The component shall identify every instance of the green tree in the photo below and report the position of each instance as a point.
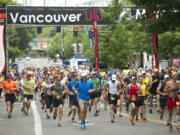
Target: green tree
(167, 13)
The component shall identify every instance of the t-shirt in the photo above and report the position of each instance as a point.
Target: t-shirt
(7, 85)
(42, 85)
(58, 89)
(146, 82)
(143, 89)
(47, 88)
(155, 85)
(1, 82)
(70, 86)
(29, 84)
(95, 82)
(84, 87)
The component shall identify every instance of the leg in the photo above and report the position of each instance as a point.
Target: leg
(132, 112)
(60, 108)
(28, 105)
(111, 112)
(158, 102)
(150, 103)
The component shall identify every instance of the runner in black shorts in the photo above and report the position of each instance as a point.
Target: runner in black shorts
(163, 96)
(58, 93)
(73, 97)
(155, 82)
(10, 87)
(95, 96)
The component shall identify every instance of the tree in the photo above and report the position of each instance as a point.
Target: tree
(169, 45)
(167, 13)
(115, 51)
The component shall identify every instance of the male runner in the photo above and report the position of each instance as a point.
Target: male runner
(84, 87)
(73, 96)
(133, 89)
(10, 86)
(58, 93)
(114, 92)
(172, 90)
(163, 95)
(28, 92)
(154, 84)
(95, 97)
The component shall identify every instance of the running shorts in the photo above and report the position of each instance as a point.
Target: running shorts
(112, 99)
(29, 97)
(10, 97)
(172, 103)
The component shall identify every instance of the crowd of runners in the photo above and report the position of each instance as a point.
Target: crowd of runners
(92, 90)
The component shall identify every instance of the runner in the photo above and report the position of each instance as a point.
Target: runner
(154, 84)
(172, 90)
(95, 97)
(142, 98)
(1, 84)
(163, 95)
(113, 88)
(73, 96)
(134, 90)
(84, 88)
(10, 86)
(48, 97)
(43, 83)
(121, 97)
(28, 91)
(58, 93)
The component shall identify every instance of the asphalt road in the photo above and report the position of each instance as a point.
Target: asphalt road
(37, 124)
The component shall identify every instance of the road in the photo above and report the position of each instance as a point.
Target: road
(37, 124)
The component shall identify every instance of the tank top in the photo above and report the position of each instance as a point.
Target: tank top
(113, 87)
(163, 84)
(133, 93)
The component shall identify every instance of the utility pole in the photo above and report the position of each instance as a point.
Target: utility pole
(63, 44)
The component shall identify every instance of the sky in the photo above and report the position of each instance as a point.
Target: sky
(51, 2)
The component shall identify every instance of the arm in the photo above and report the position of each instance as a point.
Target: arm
(139, 89)
(91, 88)
(158, 89)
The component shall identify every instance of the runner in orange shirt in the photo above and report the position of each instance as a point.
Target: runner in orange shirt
(1, 84)
(9, 87)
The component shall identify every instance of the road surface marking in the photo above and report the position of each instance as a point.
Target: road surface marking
(37, 119)
(152, 120)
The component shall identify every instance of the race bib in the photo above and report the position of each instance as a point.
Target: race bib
(8, 90)
(133, 97)
(112, 98)
(58, 97)
(48, 92)
(0, 84)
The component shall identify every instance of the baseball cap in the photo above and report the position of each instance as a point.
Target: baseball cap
(28, 75)
(156, 70)
(113, 77)
(9, 75)
(93, 73)
(58, 78)
(133, 78)
(143, 72)
(83, 75)
(166, 76)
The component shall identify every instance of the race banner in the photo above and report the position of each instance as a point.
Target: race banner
(2, 49)
(52, 15)
(29, 15)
